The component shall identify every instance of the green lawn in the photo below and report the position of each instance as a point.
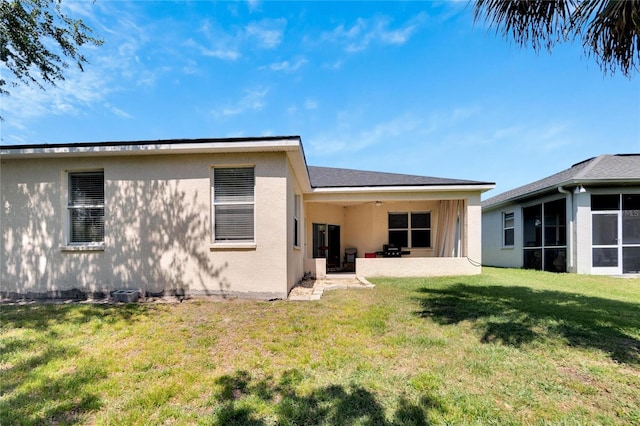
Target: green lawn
(506, 347)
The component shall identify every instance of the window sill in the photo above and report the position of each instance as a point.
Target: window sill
(297, 248)
(82, 248)
(232, 246)
(507, 247)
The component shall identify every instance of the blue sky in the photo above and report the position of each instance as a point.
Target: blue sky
(407, 87)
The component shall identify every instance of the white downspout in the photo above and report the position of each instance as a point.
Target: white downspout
(570, 214)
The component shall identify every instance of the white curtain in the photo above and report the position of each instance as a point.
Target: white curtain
(450, 226)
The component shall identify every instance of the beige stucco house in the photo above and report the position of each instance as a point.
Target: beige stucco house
(242, 216)
(585, 219)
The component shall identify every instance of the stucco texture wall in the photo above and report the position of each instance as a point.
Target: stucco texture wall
(295, 253)
(493, 251)
(157, 227)
(416, 267)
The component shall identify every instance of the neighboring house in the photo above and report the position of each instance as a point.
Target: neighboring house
(242, 216)
(585, 219)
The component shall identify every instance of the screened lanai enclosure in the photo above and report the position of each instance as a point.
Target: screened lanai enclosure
(545, 236)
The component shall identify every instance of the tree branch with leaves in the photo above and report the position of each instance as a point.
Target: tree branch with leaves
(37, 38)
(609, 29)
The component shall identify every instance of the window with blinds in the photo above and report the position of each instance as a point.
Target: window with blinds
(86, 207)
(233, 204)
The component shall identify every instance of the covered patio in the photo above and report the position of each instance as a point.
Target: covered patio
(400, 233)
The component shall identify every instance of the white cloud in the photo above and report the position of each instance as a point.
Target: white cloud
(348, 140)
(227, 45)
(149, 78)
(352, 134)
(364, 32)
(333, 65)
(441, 120)
(117, 111)
(310, 104)
(191, 67)
(506, 132)
(252, 100)
(288, 67)
(399, 37)
(214, 42)
(268, 32)
(68, 97)
(223, 48)
(254, 5)
(76, 9)
(225, 54)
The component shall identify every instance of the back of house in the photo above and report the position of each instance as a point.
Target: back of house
(241, 216)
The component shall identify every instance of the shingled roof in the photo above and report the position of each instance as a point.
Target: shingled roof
(329, 177)
(618, 168)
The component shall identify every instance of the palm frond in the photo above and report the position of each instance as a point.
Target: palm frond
(539, 23)
(611, 32)
(609, 29)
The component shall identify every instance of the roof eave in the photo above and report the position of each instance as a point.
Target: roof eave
(283, 144)
(572, 183)
(481, 187)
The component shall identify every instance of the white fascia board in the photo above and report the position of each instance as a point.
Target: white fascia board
(277, 145)
(395, 193)
(299, 166)
(383, 189)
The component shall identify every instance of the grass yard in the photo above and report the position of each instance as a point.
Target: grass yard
(506, 347)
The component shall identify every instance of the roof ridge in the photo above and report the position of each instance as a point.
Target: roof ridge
(590, 166)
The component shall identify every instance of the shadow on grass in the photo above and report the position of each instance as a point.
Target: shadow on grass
(38, 385)
(519, 315)
(240, 398)
(41, 316)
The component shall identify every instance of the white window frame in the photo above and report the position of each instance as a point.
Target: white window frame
(232, 243)
(70, 208)
(505, 228)
(409, 228)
